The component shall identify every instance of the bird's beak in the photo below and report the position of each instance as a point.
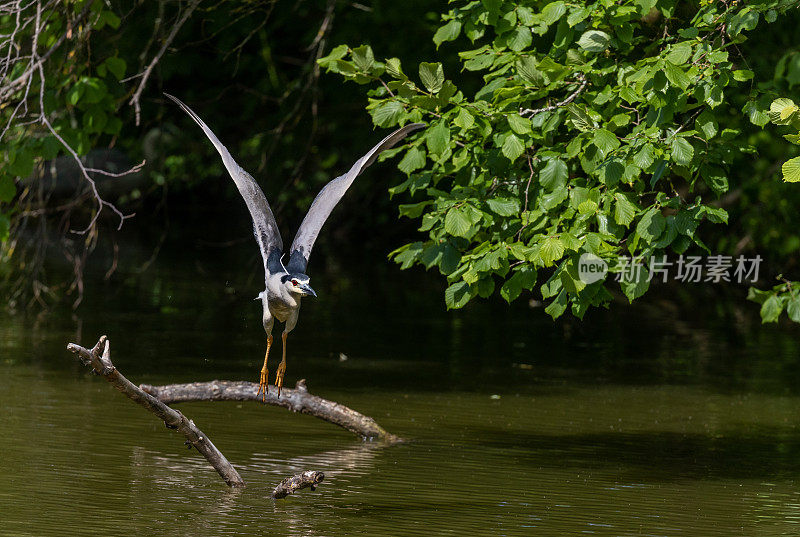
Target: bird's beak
(307, 290)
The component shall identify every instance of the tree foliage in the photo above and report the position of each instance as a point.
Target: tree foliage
(600, 127)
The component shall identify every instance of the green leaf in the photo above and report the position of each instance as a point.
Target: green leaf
(717, 215)
(363, 58)
(504, 206)
(624, 210)
(793, 138)
(388, 114)
(527, 69)
(108, 17)
(757, 295)
(551, 249)
(659, 171)
(577, 14)
(580, 117)
(707, 124)
(679, 54)
(407, 255)
(519, 124)
(448, 32)
(116, 66)
(457, 295)
(553, 11)
(450, 259)
(524, 15)
(512, 147)
(676, 76)
(413, 210)
(651, 226)
(558, 306)
(771, 309)
(524, 278)
(682, 151)
(781, 111)
(336, 53)
(519, 39)
(482, 61)
(22, 163)
(75, 93)
(742, 75)
(791, 170)
(742, 20)
(394, 69)
(757, 115)
(457, 223)
(553, 174)
(605, 140)
(432, 76)
(635, 282)
(464, 119)
(793, 307)
(594, 41)
(414, 159)
(645, 157)
(438, 138)
(553, 199)
(587, 207)
(5, 227)
(715, 178)
(7, 188)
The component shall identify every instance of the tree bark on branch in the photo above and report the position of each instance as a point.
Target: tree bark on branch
(290, 485)
(99, 359)
(156, 398)
(296, 400)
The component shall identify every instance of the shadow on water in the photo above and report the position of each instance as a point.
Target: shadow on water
(678, 415)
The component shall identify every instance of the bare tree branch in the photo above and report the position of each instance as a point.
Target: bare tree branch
(296, 400)
(99, 359)
(7, 90)
(530, 112)
(149, 69)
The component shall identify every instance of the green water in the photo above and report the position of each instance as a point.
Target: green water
(676, 417)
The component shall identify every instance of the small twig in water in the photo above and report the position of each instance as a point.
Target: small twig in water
(290, 485)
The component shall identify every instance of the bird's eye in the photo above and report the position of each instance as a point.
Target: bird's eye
(294, 282)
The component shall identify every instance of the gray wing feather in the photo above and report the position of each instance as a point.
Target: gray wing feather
(330, 195)
(265, 228)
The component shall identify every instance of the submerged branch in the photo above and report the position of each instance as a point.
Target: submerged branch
(290, 485)
(99, 359)
(296, 400)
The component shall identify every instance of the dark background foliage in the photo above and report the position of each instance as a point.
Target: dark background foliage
(250, 70)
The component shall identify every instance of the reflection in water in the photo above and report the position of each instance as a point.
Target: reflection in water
(662, 420)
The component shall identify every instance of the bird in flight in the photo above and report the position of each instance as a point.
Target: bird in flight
(287, 284)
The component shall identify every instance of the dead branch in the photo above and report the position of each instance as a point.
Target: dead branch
(290, 485)
(530, 112)
(99, 359)
(149, 69)
(296, 400)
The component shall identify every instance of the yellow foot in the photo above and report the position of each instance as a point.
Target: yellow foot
(279, 376)
(263, 385)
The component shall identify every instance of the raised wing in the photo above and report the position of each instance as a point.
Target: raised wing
(264, 226)
(330, 195)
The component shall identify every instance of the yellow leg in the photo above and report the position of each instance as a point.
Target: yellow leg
(264, 382)
(281, 366)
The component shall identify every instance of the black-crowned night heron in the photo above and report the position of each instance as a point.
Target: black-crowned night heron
(287, 284)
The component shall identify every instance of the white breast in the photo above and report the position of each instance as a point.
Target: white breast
(281, 302)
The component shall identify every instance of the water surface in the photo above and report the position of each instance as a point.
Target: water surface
(671, 418)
